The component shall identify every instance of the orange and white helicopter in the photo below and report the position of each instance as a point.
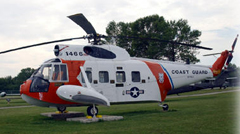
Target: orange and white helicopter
(106, 74)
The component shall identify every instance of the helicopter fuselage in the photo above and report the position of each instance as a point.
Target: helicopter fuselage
(111, 72)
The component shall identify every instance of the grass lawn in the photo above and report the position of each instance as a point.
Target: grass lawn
(14, 101)
(211, 114)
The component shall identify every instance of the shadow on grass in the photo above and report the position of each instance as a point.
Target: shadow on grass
(191, 98)
(144, 112)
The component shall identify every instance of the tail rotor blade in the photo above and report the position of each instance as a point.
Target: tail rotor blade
(234, 43)
(229, 59)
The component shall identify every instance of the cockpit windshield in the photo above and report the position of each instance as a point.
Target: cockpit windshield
(48, 72)
(53, 72)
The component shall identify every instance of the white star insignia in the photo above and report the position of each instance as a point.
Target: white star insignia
(134, 92)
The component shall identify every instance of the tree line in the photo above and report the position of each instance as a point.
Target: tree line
(11, 84)
(155, 26)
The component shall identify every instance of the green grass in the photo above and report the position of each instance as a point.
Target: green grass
(209, 90)
(191, 115)
(15, 101)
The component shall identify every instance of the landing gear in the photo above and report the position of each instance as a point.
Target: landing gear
(92, 110)
(164, 106)
(61, 109)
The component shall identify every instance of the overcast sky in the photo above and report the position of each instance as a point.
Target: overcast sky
(25, 22)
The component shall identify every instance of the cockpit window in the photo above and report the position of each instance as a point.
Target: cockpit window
(40, 82)
(46, 72)
(59, 72)
(55, 72)
(99, 52)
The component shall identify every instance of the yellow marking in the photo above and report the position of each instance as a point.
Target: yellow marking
(89, 117)
(99, 116)
(216, 71)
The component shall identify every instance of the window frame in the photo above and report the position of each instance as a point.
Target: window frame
(123, 77)
(62, 71)
(134, 79)
(104, 76)
(90, 79)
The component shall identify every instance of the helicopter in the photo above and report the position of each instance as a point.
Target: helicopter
(100, 74)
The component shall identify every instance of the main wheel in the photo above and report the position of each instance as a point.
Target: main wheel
(91, 111)
(61, 109)
(165, 107)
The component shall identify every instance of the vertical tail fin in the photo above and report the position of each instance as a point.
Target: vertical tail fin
(219, 63)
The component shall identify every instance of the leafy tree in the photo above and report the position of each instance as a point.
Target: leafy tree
(12, 84)
(235, 73)
(24, 75)
(182, 33)
(156, 27)
(6, 83)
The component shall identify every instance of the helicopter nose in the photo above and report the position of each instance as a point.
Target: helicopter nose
(24, 88)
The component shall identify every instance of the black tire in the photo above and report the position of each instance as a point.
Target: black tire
(165, 107)
(61, 109)
(90, 111)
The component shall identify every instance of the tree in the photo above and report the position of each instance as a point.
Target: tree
(236, 72)
(182, 33)
(156, 27)
(24, 75)
(12, 84)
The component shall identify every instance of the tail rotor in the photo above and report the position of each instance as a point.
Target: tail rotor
(223, 60)
(230, 56)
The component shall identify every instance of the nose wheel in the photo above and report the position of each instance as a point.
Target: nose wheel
(92, 110)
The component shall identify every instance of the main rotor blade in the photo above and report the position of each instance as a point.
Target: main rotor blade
(83, 22)
(211, 54)
(185, 44)
(159, 40)
(39, 44)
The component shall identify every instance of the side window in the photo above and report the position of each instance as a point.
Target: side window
(89, 76)
(56, 73)
(136, 76)
(98, 52)
(103, 77)
(59, 72)
(120, 76)
(64, 72)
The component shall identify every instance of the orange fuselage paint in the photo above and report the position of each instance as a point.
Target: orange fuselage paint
(165, 85)
(50, 96)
